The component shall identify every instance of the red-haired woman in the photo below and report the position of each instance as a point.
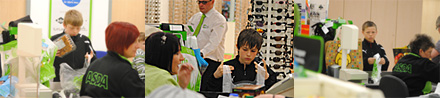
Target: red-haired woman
(112, 75)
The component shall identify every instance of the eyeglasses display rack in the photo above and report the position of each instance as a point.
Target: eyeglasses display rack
(152, 11)
(180, 11)
(274, 20)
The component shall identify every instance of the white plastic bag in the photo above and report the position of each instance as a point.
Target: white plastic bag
(71, 79)
(376, 69)
(196, 77)
(227, 80)
(261, 73)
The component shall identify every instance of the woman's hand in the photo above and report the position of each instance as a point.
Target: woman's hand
(265, 68)
(184, 75)
(219, 72)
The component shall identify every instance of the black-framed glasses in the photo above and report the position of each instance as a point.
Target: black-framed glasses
(278, 52)
(277, 30)
(276, 59)
(279, 10)
(273, 45)
(260, 23)
(280, 2)
(278, 23)
(261, 9)
(203, 2)
(260, 2)
(281, 17)
(278, 38)
(258, 16)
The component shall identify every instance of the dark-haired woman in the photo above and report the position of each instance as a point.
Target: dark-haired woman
(162, 57)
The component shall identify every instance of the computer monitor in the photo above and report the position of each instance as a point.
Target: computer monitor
(309, 52)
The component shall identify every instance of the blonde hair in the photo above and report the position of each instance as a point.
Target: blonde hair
(73, 17)
(142, 36)
(368, 24)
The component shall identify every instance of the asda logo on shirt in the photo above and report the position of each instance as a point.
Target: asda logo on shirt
(97, 79)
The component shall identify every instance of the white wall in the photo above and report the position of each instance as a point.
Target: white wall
(100, 19)
(164, 11)
(230, 38)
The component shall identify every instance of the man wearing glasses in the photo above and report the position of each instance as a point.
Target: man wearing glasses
(210, 30)
(435, 53)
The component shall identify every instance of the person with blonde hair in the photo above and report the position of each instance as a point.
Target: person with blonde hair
(73, 21)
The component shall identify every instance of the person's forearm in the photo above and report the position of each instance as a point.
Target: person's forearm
(267, 76)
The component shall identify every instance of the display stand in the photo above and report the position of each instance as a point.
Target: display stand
(274, 20)
(29, 52)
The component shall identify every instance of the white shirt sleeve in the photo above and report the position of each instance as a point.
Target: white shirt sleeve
(189, 24)
(217, 35)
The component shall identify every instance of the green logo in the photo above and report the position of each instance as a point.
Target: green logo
(402, 67)
(97, 79)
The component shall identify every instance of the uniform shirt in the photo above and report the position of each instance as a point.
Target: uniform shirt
(436, 59)
(415, 72)
(369, 50)
(212, 33)
(112, 76)
(156, 77)
(76, 58)
(240, 74)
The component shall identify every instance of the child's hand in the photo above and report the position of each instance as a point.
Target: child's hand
(265, 68)
(371, 60)
(382, 61)
(219, 72)
(58, 53)
(91, 54)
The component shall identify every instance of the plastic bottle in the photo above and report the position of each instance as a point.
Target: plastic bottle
(233, 95)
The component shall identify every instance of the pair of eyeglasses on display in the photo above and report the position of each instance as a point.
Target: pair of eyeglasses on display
(314, 14)
(312, 6)
(277, 52)
(277, 30)
(279, 10)
(203, 2)
(281, 17)
(276, 59)
(259, 16)
(273, 45)
(279, 66)
(278, 38)
(259, 23)
(281, 2)
(260, 9)
(259, 2)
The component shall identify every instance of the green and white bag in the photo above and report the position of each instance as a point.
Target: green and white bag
(196, 77)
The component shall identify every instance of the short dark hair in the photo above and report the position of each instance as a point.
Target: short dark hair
(422, 41)
(160, 48)
(368, 24)
(249, 37)
(119, 36)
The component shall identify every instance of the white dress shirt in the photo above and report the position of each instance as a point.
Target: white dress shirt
(211, 38)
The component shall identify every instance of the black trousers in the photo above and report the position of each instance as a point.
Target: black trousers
(209, 71)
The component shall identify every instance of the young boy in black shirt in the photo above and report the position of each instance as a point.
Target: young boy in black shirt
(72, 25)
(415, 69)
(243, 66)
(371, 48)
